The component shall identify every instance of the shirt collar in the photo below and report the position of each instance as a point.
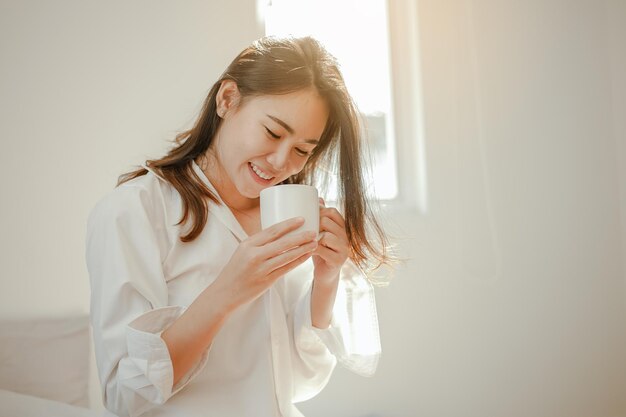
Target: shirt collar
(221, 210)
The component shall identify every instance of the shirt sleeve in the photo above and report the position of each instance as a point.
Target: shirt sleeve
(129, 300)
(352, 339)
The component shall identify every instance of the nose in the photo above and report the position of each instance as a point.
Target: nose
(279, 158)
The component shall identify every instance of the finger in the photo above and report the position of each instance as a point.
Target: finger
(328, 225)
(334, 214)
(284, 258)
(276, 231)
(328, 255)
(285, 243)
(277, 273)
(333, 243)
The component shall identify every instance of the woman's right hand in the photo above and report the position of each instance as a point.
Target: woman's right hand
(263, 258)
(255, 265)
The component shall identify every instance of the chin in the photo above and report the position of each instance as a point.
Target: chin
(250, 192)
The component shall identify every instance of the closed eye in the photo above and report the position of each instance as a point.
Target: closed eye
(272, 134)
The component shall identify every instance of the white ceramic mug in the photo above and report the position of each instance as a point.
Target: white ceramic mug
(282, 202)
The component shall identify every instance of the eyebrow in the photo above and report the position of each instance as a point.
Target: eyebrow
(290, 129)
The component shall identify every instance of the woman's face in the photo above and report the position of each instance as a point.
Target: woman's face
(265, 139)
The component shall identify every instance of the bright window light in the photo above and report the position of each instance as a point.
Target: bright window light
(356, 33)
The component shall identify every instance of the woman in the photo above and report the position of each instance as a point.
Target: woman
(195, 309)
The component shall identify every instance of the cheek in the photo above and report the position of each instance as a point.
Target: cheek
(241, 135)
(298, 165)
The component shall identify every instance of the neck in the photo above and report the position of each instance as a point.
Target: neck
(212, 168)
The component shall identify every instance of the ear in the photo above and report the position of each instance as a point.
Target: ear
(227, 98)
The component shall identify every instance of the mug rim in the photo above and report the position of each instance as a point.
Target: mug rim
(288, 185)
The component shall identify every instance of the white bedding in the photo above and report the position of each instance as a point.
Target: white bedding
(44, 367)
(47, 358)
(13, 404)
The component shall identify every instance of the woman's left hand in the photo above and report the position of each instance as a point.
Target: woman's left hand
(333, 246)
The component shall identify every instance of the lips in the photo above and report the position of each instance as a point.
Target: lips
(260, 175)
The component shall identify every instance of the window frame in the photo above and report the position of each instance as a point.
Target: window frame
(406, 110)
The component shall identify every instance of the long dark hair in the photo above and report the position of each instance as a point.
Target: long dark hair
(272, 66)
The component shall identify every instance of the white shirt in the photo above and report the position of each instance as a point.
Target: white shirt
(266, 357)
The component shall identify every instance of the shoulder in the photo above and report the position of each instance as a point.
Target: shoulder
(141, 198)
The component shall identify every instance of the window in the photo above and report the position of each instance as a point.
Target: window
(356, 33)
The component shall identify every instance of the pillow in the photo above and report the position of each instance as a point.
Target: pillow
(47, 358)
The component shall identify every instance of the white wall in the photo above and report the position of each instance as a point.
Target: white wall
(90, 89)
(616, 10)
(513, 300)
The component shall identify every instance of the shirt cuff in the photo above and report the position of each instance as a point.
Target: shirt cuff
(149, 352)
(352, 336)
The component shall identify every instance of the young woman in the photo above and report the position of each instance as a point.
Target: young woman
(196, 311)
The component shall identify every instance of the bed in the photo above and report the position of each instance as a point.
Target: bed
(45, 367)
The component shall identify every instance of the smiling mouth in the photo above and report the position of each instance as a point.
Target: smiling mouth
(260, 173)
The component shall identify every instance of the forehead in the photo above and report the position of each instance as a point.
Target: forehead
(304, 111)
